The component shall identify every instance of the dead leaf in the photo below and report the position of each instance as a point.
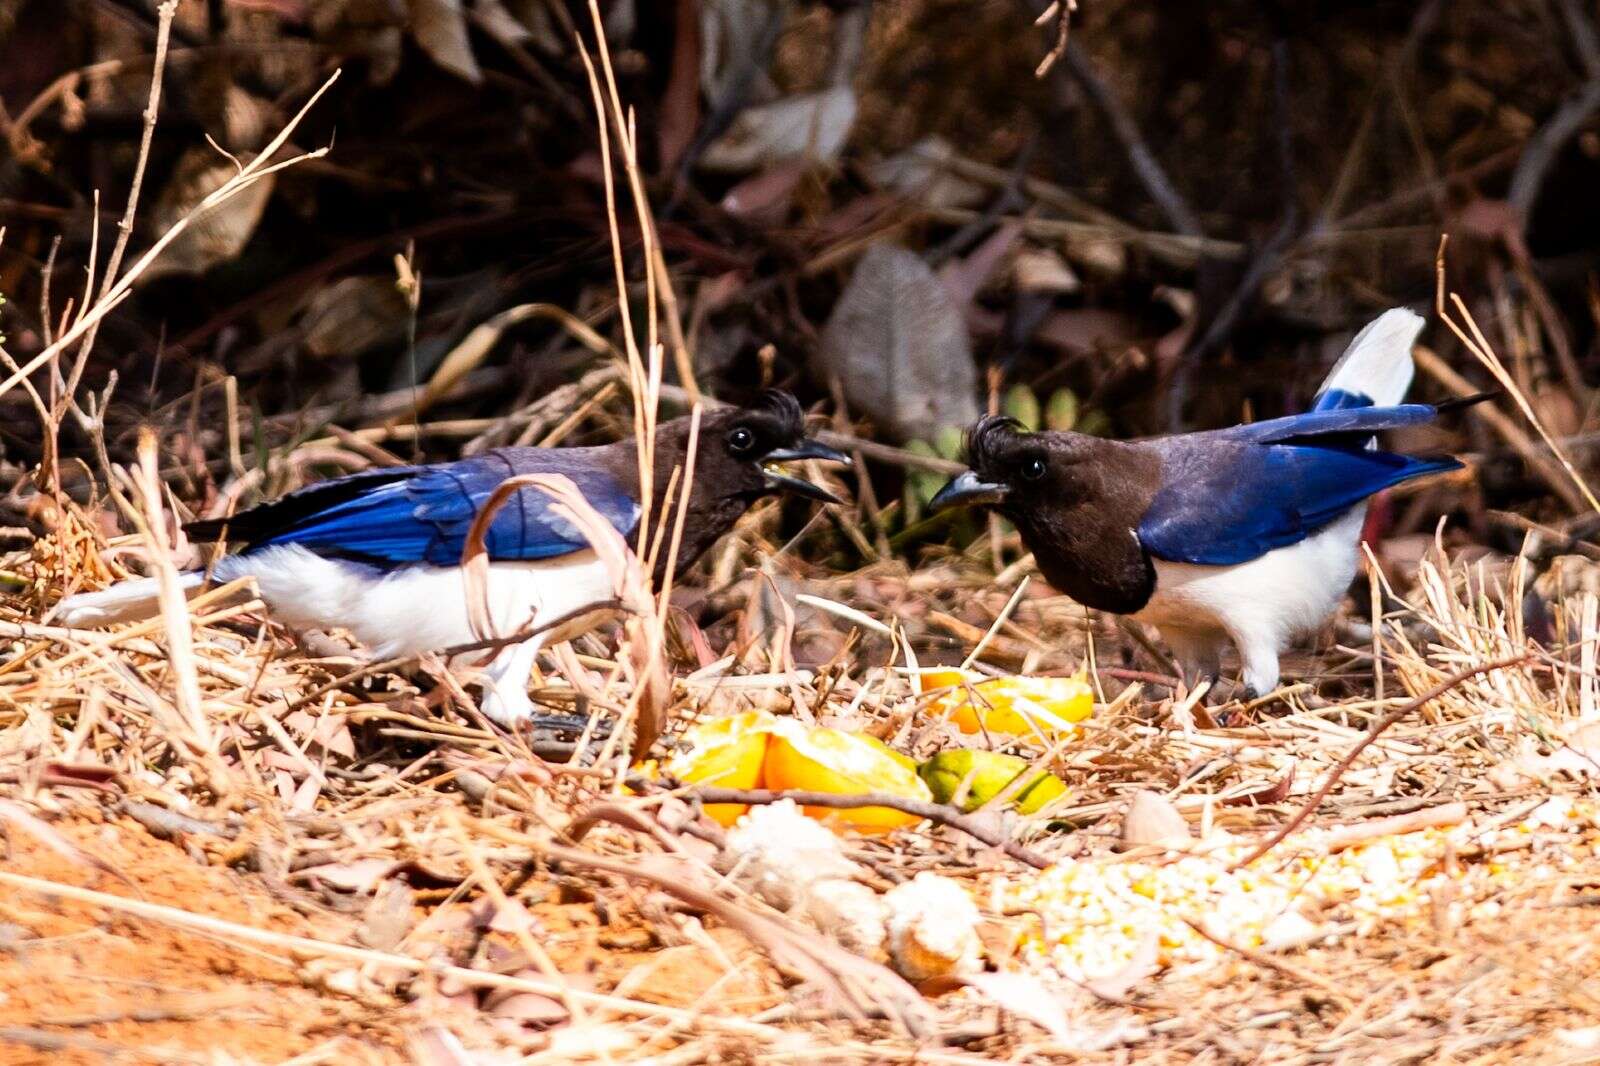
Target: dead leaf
(1026, 996)
(220, 233)
(500, 23)
(680, 103)
(1489, 220)
(361, 876)
(352, 316)
(534, 770)
(1152, 819)
(811, 126)
(440, 28)
(1088, 330)
(898, 345)
(387, 918)
(964, 278)
(1040, 270)
(305, 796)
(57, 774)
(1106, 258)
(922, 173)
(765, 196)
(532, 1009)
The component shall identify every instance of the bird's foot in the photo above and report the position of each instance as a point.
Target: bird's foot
(508, 709)
(1236, 711)
(550, 736)
(1224, 700)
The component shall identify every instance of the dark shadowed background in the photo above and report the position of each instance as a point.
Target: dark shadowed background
(1178, 224)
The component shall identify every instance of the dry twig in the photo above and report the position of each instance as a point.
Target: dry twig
(936, 812)
(1378, 729)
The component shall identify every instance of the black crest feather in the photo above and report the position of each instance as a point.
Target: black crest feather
(983, 439)
(783, 406)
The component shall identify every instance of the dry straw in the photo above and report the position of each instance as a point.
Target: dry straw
(329, 781)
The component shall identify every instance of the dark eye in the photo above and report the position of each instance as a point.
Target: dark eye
(741, 439)
(1033, 469)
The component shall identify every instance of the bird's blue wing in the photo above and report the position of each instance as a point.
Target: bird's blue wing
(1340, 399)
(1226, 503)
(424, 517)
(1330, 422)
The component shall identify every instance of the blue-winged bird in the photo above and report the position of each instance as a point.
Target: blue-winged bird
(379, 553)
(1249, 534)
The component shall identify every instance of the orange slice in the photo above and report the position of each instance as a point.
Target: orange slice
(900, 757)
(850, 764)
(724, 753)
(1030, 705)
(945, 677)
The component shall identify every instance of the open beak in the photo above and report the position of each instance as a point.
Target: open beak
(967, 490)
(777, 481)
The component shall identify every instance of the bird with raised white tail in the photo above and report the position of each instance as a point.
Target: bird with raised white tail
(1248, 535)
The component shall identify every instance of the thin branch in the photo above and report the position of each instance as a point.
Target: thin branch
(935, 812)
(1378, 729)
(1583, 35)
(1479, 346)
(1542, 148)
(1525, 447)
(164, 15)
(1061, 12)
(1150, 172)
(253, 171)
(1261, 958)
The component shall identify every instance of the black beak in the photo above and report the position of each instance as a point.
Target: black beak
(966, 490)
(806, 449)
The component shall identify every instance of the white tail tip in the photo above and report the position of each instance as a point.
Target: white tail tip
(127, 601)
(1378, 362)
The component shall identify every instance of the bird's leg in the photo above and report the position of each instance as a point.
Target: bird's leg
(505, 684)
(1198, 651)
(1258, 654)
(506, 702)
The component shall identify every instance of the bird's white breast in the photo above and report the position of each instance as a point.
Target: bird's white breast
(416, 608)
(1286, 592)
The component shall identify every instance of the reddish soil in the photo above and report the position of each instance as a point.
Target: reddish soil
(80, 984)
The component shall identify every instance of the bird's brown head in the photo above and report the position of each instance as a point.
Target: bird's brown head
(740, 451)
(1074, 498)
(739, 455)
(1009, 466)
